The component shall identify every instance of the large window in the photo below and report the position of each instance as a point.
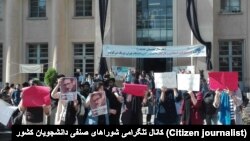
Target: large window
(83, 8)
(37, 8)
(1, 64)
(154, 23)
(231, 6)
(38, 54)
(84, 58)
(230, 58)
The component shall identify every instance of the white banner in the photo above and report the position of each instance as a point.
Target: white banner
(6, 112)
(31, 68)
(167, 79)
(188, 82)
(184, 69)
(122, 51)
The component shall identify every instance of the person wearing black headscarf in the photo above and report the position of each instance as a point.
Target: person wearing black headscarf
(114, 102)
(191, 108)
(166, 113)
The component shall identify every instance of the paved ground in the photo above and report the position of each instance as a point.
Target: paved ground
(5, 134)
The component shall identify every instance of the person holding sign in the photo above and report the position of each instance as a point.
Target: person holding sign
(166, 113)
(191, 108)
(115, 101)
(35, 112)
(69, 102)
(99, 108)
(228, 102)
(68, 88)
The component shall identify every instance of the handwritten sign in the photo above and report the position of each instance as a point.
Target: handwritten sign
(188, 82)
(223, 80)
(122, 51)
(135, 89)
(167, 79)
(36, 96)
(6, 112)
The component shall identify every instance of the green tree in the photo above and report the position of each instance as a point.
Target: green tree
(50, 77)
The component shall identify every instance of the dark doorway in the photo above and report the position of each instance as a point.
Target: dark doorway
(155, 64)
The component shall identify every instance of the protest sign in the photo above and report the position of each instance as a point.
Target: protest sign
(167, 79)
(120, 71)
(6, 112)
(36, 96)
(188, 82)
(98, 103)
(184, 69)
(135, 89)
(223, 80)
(68, 89)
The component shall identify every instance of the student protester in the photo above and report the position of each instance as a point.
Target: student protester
(151, 100)
(133, 113)
(115, 102)
(128, 76)
(16, 95)
(84, 91)
(228, 104)
(101, 119)
(166, 111)
(67, 111)
(191, 108)
(34, 115)
(12, 89)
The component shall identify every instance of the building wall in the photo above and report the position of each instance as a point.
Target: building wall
(232, 27)
(60, 29)
(182, 31)
(123, 28)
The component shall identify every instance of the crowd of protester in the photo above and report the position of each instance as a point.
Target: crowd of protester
(169, 106)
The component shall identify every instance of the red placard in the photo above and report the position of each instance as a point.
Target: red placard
(223, 80)
(35, 96)
(135, 89)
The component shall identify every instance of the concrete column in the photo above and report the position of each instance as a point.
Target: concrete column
(12, 40)
(98, 38)
(58, 45)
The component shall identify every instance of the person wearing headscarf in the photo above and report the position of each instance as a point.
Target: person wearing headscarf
(166, 113)
(66, 113)
(191, 108)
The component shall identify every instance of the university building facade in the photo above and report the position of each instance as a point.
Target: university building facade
(65, 34)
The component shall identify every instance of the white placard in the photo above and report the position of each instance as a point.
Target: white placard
(167, 79)
(6, 112)
(184, 69)
(188, 82)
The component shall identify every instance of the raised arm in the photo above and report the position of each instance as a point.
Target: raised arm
(55, 93)
(216, 103)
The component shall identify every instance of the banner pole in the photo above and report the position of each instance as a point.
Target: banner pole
(192, 43)
(192, 60)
